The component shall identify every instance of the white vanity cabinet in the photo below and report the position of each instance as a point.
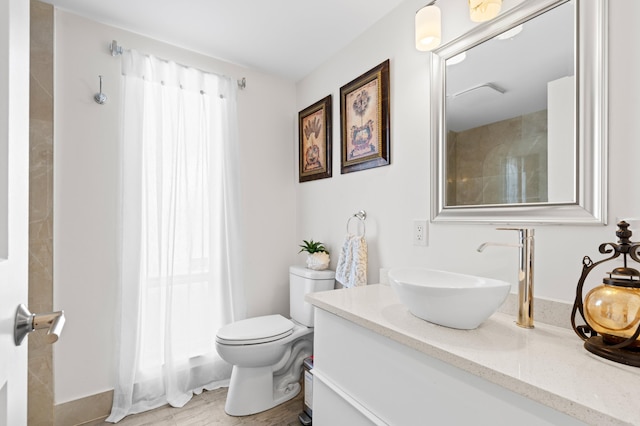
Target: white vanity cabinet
(376, 363)
(363, 378)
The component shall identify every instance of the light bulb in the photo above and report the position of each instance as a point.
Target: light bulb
(484, 10)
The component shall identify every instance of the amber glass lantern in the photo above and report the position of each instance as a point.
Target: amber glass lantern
(611, 311)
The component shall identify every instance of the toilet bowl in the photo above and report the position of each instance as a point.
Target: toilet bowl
(267, 352)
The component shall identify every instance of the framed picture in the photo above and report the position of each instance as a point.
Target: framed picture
(314, 141)
(364, 120)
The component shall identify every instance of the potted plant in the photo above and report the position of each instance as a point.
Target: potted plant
(317, 255)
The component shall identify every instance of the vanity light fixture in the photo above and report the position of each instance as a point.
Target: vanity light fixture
(484, 10)
(428, 22)
(428, 27)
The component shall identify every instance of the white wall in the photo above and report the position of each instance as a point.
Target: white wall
(86, 171)
(395, 195)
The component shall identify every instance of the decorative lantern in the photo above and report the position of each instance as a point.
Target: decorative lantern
(611, 311)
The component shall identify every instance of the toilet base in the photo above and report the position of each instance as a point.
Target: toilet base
(251, 391)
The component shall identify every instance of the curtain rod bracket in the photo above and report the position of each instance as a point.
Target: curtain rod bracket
(115, 49)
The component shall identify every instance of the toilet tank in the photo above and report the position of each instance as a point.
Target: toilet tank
(301, 282)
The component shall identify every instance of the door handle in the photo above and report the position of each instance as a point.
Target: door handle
(26, 322)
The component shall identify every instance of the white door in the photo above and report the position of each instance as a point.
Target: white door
(14, 200)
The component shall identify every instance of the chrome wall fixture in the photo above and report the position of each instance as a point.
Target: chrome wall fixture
(26, 322)
(100, 97)
(361, 216)
(115, 49)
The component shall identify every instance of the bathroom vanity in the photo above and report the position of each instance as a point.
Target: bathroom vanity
(376, 363)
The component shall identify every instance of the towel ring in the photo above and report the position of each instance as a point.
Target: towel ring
(361, 216)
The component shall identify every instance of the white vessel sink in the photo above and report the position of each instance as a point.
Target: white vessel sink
(447, 298)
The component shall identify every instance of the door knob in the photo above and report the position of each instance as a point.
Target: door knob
(26, 322)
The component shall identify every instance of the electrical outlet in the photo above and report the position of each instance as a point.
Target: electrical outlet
(419, 232)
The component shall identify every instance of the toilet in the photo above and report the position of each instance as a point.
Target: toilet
(267, 352)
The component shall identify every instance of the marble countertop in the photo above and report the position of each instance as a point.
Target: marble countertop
(547, 364)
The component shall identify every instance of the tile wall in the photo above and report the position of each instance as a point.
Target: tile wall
(513, 166)
(40, 384)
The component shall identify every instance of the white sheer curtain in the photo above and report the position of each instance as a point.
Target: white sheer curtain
(180, 275)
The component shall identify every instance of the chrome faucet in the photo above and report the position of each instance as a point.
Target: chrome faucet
(525, 273)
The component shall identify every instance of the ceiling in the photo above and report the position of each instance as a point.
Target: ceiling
(288, 38)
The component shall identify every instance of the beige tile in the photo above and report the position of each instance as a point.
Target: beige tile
(478, 170)
(40, 100)
(40, 401)
(83, 410)
(469, 191)
(40, 383)
(41, 33)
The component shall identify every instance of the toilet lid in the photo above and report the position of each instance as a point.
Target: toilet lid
(255, 330)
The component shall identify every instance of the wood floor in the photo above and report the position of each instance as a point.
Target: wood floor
(208, 409)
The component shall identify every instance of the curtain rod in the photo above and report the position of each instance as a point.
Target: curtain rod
(117, 51)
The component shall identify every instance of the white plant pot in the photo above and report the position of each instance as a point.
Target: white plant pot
(318, 261)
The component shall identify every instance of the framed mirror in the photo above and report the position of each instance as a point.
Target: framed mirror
(519, 118)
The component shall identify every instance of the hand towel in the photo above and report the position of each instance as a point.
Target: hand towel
(351, 270)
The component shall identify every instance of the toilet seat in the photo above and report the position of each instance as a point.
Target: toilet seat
(256, 330)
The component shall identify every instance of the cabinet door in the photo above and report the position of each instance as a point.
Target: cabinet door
(335, 408)
(402, 386)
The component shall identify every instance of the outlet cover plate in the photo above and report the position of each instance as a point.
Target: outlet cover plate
(420, 233)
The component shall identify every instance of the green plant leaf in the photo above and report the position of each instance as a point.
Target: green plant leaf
(312, 247)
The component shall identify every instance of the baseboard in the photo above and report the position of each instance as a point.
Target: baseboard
(83, 410)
